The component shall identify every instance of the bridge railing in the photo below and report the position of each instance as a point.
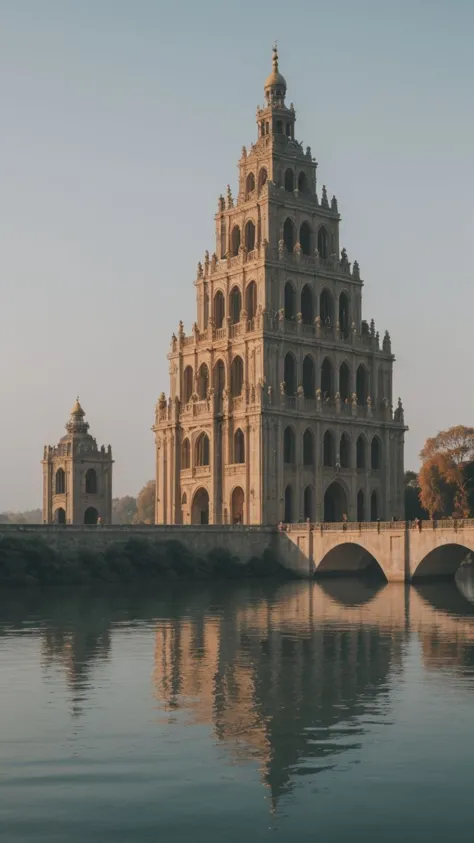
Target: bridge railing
(381, 526)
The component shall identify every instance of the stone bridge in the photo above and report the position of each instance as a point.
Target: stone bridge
(402, 552)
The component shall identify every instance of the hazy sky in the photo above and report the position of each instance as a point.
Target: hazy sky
(123, 120)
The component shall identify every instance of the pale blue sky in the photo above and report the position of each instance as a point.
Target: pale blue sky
(122, 121)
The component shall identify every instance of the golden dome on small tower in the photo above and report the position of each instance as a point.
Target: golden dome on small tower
(77, 409)
(275, 80)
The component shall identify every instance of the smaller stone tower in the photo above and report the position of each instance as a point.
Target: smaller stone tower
(77, 476)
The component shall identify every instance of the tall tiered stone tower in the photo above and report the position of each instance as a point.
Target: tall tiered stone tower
(280, 402)
(77, 476)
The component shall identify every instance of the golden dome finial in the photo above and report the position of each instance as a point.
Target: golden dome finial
(275, 81)
(77, 409)
(275, 56)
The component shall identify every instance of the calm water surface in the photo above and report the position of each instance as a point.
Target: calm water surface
(333, 712)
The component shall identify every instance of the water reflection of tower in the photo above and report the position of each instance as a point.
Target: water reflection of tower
(276, 684)
(74, 640)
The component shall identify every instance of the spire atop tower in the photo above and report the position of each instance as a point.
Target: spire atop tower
(275, 85)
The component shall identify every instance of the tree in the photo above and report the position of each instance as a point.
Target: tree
(123, 510)
(413, 507)
(145, 513)
(446, 476)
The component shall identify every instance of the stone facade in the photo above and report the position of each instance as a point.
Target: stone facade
(280, 403)
(77, 476)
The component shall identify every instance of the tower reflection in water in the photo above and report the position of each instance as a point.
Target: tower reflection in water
(289, 677)
(290, 680)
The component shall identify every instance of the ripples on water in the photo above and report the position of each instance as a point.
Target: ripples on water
(336, 711)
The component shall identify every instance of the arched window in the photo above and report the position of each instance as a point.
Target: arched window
(60, 482)
(308, 447)
(250, 187)
(289, 181)
(251, 299)
(219, 377)
(290, 374)
(91, 482)
(235, 240)
(303, 183)
(187, 383)
(361, 450)
(362, 385)
(289, 446)
(290, 301)
(239, 446)
(250, 236)
(236, 376)
(374, 506)
(237, 505)
(326, 311)
(345, 451)
(329, 455)
(308, 377)
(262, 178)
(375, 454)
(279, 127)
(219, 309)
(308, 504)
(288, 505)
(235, 305)
(289, 235)
(305, 239)
(323, 243)
(344, 382)
(307, 310)
(360, 506)
(202, 450)
(344, 316)
(60, 516)
(327, 379)
(203, 381)
(186, 454)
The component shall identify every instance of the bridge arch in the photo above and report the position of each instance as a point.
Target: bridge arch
(442, 561)
(350, 559)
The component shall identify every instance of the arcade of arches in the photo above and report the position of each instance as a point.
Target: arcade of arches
(280, 402)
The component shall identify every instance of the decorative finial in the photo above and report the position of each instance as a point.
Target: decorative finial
(275, 56)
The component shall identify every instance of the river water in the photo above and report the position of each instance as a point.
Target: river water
(335, 711)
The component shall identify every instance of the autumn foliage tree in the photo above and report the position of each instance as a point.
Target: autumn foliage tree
(145, 513)
(446, 475)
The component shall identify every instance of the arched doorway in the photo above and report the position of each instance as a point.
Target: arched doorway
(326, 308)
(374, 506)
(345, 451)
(188, 378)
(360, 506)
(305, 239)
(361, 448)
(289, 235)
(60, 516)
(203, 381)
(362, 385)
(308, 503)
(344, 323)
(288, 505)
(250, 236)
(235, 305)
(251, 300)
(335, 502)
(91, 515)
(344, 382)
(235, 237)
(290, 374)
(290, 301)
(237, 505)
(289, 181)
(236, 376)
(200, 508)
(219, 309)
(307, 310)
(308, 377)
(327, 379)
(323, 243)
